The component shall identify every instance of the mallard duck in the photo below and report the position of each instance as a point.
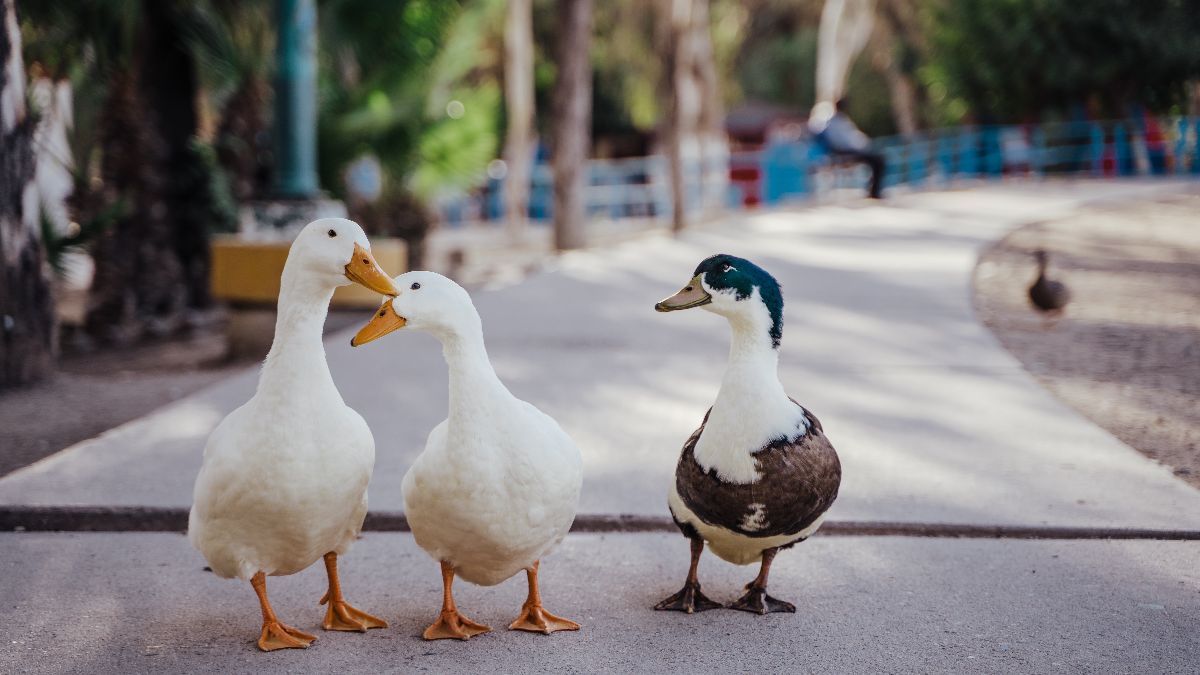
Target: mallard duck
(498, 483)
(1047, 295)
(759, 474)
(284, 478)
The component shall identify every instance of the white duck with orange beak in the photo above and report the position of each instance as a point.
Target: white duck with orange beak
(284, 479)
(498, 483)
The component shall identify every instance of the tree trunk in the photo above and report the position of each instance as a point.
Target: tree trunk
(519, 99)
(674, 17)
(710, 117)
(27, 323)
(572, 106)
(169, 84)
(153, 264)
(891, 41)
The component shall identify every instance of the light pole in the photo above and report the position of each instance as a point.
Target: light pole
(296, 100)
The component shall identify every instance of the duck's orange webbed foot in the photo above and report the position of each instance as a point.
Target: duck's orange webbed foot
(276, 635)
(534, 618)
(452, 625)
(341, 615)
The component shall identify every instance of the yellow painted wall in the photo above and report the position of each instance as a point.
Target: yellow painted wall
(248, 271)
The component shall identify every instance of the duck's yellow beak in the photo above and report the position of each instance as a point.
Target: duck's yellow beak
(385, 321)
(692, 295)
(363, 270)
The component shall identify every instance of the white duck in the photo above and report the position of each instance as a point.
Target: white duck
(284, 479)
(498, 483)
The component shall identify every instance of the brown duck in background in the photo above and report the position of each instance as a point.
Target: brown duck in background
(1047, 295)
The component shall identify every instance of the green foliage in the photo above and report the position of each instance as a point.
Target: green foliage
(627, 70)
(63, 36)
(455, 151)
(781, 69)
(232, 41)
(1008, 60)
(211, 199)
(80, 236)
(388, 73)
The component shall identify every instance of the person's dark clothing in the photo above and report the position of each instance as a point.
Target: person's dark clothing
(842, 138)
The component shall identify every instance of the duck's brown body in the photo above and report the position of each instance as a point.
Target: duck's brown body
(799, 481)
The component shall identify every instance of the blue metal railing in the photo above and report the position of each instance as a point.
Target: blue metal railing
(801, 168)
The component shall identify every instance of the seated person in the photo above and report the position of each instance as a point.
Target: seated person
(838, 133)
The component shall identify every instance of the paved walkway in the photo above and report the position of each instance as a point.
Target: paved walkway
(134, 603)
(934, 421)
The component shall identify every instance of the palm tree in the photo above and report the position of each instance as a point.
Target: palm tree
(152, 263)
(26, 307)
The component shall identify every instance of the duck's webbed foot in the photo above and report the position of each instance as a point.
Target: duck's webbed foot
(276, 635)
(689, 600)
(534, 618)
(757, 601)
(452, 625)
(342, 616)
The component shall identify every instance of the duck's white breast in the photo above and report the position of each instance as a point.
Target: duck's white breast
(281, 486)
(492, 500)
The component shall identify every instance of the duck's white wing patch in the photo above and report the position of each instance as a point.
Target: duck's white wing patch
(756, 520)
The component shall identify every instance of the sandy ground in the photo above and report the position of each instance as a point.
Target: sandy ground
(91, 393)
(1127, 351)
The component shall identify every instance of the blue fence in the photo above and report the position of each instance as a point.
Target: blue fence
(800, 168)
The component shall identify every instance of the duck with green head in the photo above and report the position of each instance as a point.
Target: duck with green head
(759, 474)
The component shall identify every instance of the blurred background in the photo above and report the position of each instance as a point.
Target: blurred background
(148, 145)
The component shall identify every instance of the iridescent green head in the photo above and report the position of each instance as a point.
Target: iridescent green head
(721, 282)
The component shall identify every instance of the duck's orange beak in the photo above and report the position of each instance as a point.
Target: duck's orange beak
(363, 270)
(385, 321)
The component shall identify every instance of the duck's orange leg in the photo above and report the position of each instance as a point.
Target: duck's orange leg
(340, 615)
(534, 617)
(451, 624)
(276, 635)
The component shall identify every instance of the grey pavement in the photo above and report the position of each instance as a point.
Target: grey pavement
(934, 421)
(133, 603)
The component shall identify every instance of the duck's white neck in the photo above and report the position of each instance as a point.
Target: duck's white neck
(475, 389)
(296, 362)
(753, 360)
(752, 409)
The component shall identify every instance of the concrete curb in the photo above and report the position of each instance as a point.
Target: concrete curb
(162, 519)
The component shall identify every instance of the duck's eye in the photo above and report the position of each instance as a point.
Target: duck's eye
(726, 267)
(332, 233)
(689, 288)
(382, 312)
(415, 286)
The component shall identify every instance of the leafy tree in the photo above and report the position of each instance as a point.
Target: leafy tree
(414, 83)
(1008, 60)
